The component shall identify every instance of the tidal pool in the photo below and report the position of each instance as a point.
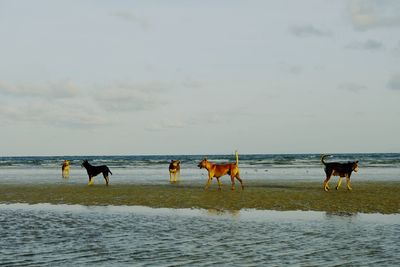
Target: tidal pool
(48, 235)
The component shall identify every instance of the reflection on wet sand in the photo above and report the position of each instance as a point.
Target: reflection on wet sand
(332, 214)
(219, 212)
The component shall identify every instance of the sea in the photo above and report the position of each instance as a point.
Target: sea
(154, 169)
(75, 235)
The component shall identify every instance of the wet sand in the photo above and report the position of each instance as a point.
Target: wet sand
(366, 197)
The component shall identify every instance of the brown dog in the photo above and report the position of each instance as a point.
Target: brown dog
(218, 170)
(339, 169)
(65, 169)
(174, 170)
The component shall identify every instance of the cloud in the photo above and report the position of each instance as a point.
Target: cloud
(308, 31)
(370, 14)
(371, 45)
(63, 104)
(166, 124)
(352, 87)
(394, 82)
(131, 17)
(58, 89)
(209, 119)
(292, 69)
(191, 83)
(131, 97)
(59, 103)
(53, 114)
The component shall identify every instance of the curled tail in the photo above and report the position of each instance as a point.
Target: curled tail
(323, 157)
(237, 158)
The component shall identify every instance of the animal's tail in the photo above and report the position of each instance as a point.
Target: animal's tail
(109, 171)
(237, 158)
(323, 157)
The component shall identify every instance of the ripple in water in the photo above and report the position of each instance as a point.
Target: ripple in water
(72, 234)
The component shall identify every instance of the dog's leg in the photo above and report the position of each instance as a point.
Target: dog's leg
(106, 178)
(175, 177)
(91, 180)
(65, 173)
(179, 175)
(219, 183)
(233, 182)
(240, 180)
(170, 177)
(208, 182)
(348, 183)
(326, 186)
(339, 183)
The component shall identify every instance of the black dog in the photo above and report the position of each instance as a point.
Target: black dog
(92, 171)
(339, 169)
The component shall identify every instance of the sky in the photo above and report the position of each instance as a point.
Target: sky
(199, 77)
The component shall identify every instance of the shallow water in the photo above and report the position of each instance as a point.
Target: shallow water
(130, 175)
(49, 235)
(154, 169)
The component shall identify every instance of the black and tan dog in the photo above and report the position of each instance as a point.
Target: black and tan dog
(218, 170)
(174, 170)
(65, 169)
(92, 171)
(338, 169)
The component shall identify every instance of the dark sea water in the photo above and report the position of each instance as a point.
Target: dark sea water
(258, 161)
(67, 235)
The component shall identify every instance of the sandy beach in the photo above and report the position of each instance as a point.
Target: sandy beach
(366, 197)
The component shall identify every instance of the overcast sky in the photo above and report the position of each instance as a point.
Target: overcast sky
(199, 77)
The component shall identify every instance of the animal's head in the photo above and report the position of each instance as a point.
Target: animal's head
(355, 166)
(175, 163)
(85, 163)
(203, 163)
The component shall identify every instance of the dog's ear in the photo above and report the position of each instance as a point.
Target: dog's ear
(357, 161)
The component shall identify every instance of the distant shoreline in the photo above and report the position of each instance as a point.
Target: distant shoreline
(366, 197)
